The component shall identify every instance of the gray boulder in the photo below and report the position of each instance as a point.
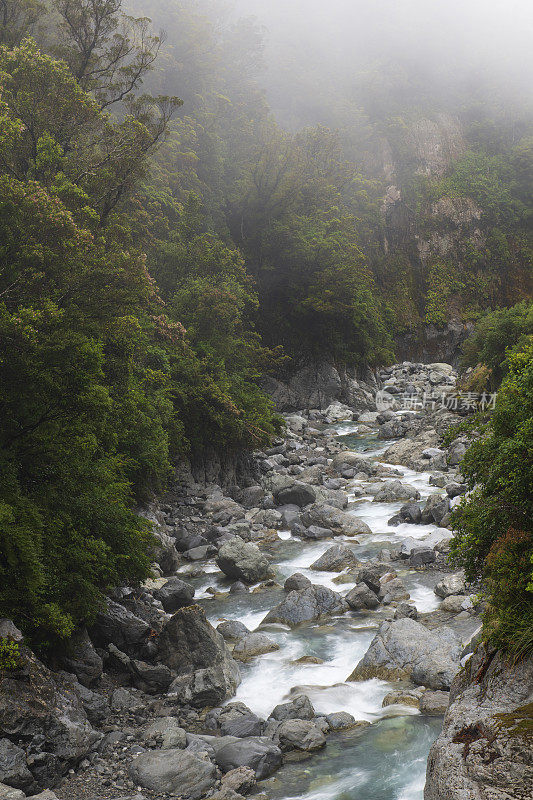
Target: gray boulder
(484, 749)
(192, 648)
(232, 630)
(297, 493)
(404, 649)
(83, 660)
(434, 704)
(361, 597)
(340, 522)
(300, 734)
(296, 582)
(336, 559)
(235, 719)
(255, 644)
(340, 720)
(13, 766)
(256, 752)
(451, 584)
(300, 707)
(242, 561)
(306, 605)
(175, 594)
(174, 771)
(392, 491)
(119, 626)
(435, 509)
(167, 732)
(9, 793)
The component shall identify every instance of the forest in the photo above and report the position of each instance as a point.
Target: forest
(172, 229)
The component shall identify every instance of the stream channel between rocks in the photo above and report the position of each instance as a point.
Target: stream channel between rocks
(387, 759)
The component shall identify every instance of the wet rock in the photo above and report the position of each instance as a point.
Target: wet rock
(434, 703)
(420, 556)
(235, 719)
(238, 588)
(258, 753)
(306, 605)
(435, 509)
(232, 630)
(361, 597)
(174, 771)
(300, 707)
(334, 519)
(175, 594)
(451, 584)
(336, 559)
(296, 582)
(406, 611)
(300, 734)
(402, 697)
(392, 491)
(411, 513)
(297, 493)
(315, 533)
(191, 647)
(340, 720)
(404, 649)
(372, 575)
(167, 732)
(255, 644)
(455, 603)
(242, 560)
(240, 780)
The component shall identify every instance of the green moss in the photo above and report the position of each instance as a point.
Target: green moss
(518, 722)
(10, 658)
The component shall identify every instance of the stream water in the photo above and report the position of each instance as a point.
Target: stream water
(387, 760)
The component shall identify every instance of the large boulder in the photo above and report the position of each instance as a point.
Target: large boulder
(257, 752)
(296, 493)
(300, 707)
(335, 559)
(39, 712)
(175, 594)
(83, 660)
(305, 605)
(484, 749)
(235, 719)
(392, 491)
(242, 561)
(348, 459)
(174, 772)
(454, 584)
(13, 766)
(404, 649)
(192, 648)
(300, 734)
(255, 644)
(119, 626)
(9, 793)
(361, 597)
(340, 522)
(338, 412)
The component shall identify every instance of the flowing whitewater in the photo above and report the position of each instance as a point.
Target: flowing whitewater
(300, 632)
(387, 760)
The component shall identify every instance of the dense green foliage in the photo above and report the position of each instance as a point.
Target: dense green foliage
(159, 255)
(494, 525)
(496, 333)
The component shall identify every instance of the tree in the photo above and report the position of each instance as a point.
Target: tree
(17, 19)
(494, 530)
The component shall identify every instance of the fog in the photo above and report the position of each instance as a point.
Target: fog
(445, 43)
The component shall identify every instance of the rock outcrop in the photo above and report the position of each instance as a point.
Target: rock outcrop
(485, 749)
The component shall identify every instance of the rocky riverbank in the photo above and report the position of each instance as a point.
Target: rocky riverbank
(298, 610)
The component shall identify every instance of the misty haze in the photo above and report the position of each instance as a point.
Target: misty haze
(266, 393)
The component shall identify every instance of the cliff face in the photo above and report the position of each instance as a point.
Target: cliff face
(485, 750)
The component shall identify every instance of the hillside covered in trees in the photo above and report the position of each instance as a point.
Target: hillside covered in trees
(171, 232)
